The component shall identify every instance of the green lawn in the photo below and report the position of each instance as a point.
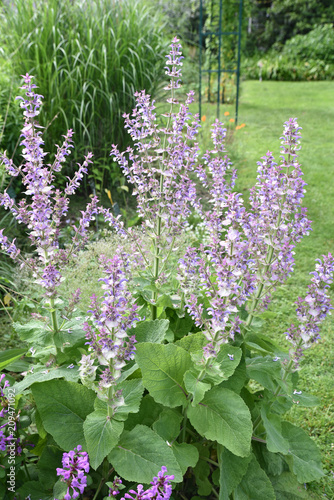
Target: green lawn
(263, 107)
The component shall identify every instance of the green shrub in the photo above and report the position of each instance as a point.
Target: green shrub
(88, 59)
(317, 44)
(276, 21)
(273, 66)
(303, 57)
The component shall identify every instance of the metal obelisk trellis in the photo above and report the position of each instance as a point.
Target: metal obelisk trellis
(217, 29)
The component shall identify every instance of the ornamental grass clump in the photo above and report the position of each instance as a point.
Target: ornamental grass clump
(88, 59)
(168, 374)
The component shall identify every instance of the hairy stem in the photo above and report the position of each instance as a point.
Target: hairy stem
(54, 320)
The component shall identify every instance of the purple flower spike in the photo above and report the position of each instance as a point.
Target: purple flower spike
(161, 488)
(159, 169)
(313, 309)
(106, 330)
(75, 465)
(114, 490)
(44, 207)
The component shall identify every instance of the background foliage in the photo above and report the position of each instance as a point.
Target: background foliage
(88, 59)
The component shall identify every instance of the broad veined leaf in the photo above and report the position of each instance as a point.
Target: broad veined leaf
(168, 424)
(303, 458)
(102, 434)
(39, 424)
(19, 365)
(255, 484)
(223, 416)
(223, 366)
(36, 491)
(229, 358)
(192, 342)
(287, 488)
(69, 374)
(202, 471)
(232, 470)
(47, 465)
(275, 463)
(237, 380)
(264, 370)
(63, 407)
(186, 455)
(180, 326)
(7, 357)
(60, 489)
(69, 338)
(276, 443)
(141, 453)
(195, 387)
(150, 331)
(163, 367)
(263, 345)
(306, 400)
(34, 332)
(149, 412)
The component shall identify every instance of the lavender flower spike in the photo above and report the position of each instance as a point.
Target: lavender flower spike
(44, 206)
(313, 309)
(75, 465)
(161, 488)
(106, 331)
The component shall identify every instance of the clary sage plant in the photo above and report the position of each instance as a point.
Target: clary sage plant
(167, 376)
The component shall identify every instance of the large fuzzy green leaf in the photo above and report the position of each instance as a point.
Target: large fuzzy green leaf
(102, 434)
(287, 488)
(141, 453)
(276, 443)
(232, 470)
(186, 455)
(150, 331)
(63, 407)
(303, 458)
(163, 367)
(223, 416)
(132, 392)
(255, 484)
(69, 374)
(7, 357)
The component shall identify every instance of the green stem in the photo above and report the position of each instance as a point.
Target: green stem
(156, 263)
(55, 327)
(26, 470)
(111, 390)
(214, 492)
(184, 425)
(110, 398)
(209, 461)
(168, 254)
(103, 480)
(159, 220)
